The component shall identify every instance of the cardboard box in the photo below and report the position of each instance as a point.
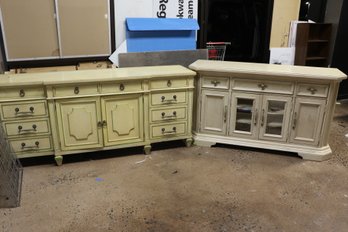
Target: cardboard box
(160, 34)
(46, 69)
(94, 65)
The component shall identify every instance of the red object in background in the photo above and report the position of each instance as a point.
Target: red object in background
(216, 50)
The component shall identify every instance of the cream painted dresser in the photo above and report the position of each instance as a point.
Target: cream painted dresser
(69, 112)
(277, 107)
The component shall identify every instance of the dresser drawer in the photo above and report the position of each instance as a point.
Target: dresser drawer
(264, 86)
(169, 83)
(121, 87)
(216, 82)
(23, 109)
(22, 92)
(165, 130)
(27, 127)
(315, 90)
(167, 98)
(33, 144)
(160, 115)
(75, 90)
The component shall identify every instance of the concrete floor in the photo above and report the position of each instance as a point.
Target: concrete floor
(223, 188)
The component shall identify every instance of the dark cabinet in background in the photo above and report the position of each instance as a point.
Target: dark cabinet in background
(312, 44)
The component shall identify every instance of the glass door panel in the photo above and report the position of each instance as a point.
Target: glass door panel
(244, 114)
(275, 117)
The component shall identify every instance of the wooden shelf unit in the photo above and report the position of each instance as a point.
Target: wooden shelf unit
(312, 44)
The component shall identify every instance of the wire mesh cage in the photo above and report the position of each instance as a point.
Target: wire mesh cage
(11, 175)
(217, 50)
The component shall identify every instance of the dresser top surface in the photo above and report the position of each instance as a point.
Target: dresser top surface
(291, 71)
(82, 76)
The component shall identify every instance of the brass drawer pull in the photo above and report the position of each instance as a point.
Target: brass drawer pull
(312, 90)
(122, 87)
(294, 123)
(31, 111)
(215, 83)
(24, 146)
(102, 123)
(169, 83)
(164, 116)
(163, 99)
(77, 90)
(173, 131)
(262, 86)
(256, 116)
(263, 117)
(33, 129)
(225, 113)
(21, 93)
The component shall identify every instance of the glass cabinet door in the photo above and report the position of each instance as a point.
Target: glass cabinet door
(244, 115)
(274, 119)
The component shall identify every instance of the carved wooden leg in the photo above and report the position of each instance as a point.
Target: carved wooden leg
(147, 149)
(189, 142)
(59, 160)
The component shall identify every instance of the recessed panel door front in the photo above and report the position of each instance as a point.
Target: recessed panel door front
(122, 119)
(214, 112)
(307, 121)
(78, 122)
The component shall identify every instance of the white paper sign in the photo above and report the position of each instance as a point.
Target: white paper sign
(175, 8)
(282, 56)
(121, 49)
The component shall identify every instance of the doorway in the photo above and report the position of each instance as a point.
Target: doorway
(246, 24)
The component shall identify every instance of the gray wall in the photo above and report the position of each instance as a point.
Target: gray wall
(332, 15)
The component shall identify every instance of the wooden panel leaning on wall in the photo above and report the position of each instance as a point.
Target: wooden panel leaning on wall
(80, 111)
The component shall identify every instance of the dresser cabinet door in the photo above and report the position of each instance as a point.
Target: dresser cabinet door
(214, 112)
(79, 123)
(307, 121)
(123, 119)
(245, 115)
(274, 118)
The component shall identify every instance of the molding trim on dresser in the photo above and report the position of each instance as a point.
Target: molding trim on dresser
(91, 110)
(278, 107)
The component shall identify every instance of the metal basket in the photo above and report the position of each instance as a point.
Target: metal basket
(217, 50)
(11, 175)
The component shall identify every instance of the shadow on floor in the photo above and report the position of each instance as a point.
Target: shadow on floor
(97, 155)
